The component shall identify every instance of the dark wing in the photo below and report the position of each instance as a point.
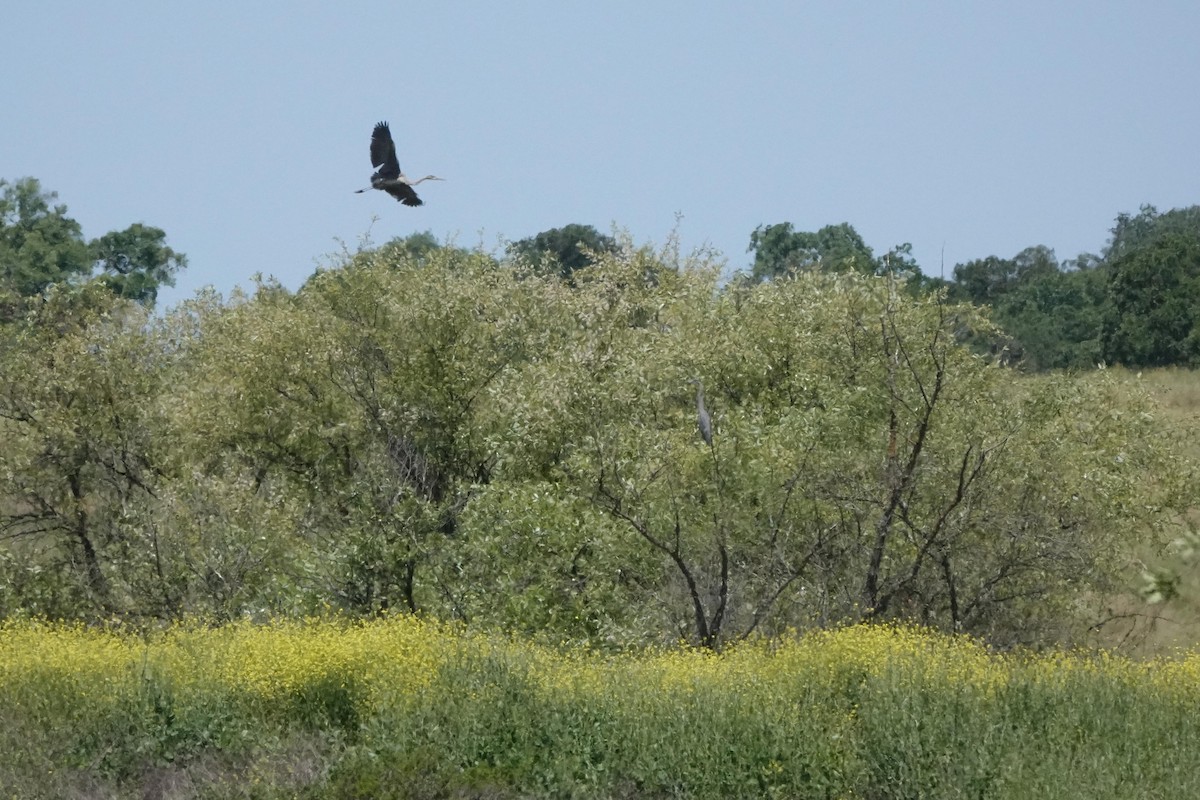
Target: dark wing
(404, 193)
(383, 152)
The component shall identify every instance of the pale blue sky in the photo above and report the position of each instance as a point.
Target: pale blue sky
(241, 128)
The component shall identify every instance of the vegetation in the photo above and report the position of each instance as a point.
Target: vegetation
(430, 449)
(1135, 304)
(564, 250)
(41, 246)
(398, 708)
(1155, 289)
(454, 437)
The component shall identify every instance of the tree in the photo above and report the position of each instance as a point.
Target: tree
(988, 280)
(1057, 318)
(136, 262)
(563, 250)
(1155, 294)
(1153, 268)
(1132, 232)
(984, 280)
(40, 246)
(866, 465)
(39, 243)
(1050, 314)
(446, 436)
(779, 249)
(414, 247)
(80, 463)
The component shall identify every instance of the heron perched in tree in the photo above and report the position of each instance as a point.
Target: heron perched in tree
(702, 417)
(388, 177)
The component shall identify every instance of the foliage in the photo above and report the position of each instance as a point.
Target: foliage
(40, 246)
(401, 708)
(39, 243)
(77, 409)
(865, 464)
(987, 280)
(416, 247)
(135, 262)
(563, 250)
(1132, 232)
(1132, 305)
(1050, 314)
(1055, 317)
(1155, 302)
(447, 436)
(780, 249)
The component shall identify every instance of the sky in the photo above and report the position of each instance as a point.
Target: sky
(241, 129)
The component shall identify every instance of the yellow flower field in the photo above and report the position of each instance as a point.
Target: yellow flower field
(405, 708)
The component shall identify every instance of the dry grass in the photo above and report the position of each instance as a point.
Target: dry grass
(1130, 623)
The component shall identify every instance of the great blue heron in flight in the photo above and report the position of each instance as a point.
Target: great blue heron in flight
(388, 177)
(702, 418)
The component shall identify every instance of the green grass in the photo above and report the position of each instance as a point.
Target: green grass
(403, 709)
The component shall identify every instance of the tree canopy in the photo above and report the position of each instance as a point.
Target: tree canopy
(40, 246)
(513, 442)
(1131, 305)
(779, 249)
(443, 434)
(1153, 314)
(563, 250)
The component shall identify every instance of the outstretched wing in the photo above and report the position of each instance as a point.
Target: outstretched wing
(383, 152)
(404, 193)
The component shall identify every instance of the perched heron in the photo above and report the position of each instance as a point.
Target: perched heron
(702, 417)
(388, 177)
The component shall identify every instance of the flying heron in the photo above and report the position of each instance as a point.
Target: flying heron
(388, 177)
(702, 417)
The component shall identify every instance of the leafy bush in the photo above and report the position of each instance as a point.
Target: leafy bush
(445, 435)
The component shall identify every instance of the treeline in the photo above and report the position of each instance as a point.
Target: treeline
(444, 434)
(1137, 303)
(512, 442)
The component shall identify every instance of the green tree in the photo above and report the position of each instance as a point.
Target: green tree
(136, 262)
(790, 515)
(1155, 303)
(1153, 279)
(40, 246)
(415, 246)
(984, 280)
(1057, 318)
(1131, 232)
(780, 249)
(77, 415)
(1050, 314)
(899, 262)
(563, 250)
(988, 280)
(445, 435)
(361, 404)
(39, 243)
